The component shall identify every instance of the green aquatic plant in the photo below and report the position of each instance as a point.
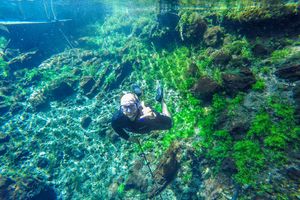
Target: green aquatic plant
(32, 74)
(184, 121)
(3, 67)
(280, 54)
(191, 26)
(276, 128)
(249, 160)
(240, 47)
(171, 68)
(259, 85)
(265, 11)
(121, 189)
(3, 42)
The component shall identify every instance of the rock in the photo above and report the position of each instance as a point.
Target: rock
(191, 27)
(214, 36)
(238, 62)
(136, 181)
(121, 72)
(236, 82)
(25, 188)
(236, 124)
(290, 73)
(221, 57)
(59, 91)
(4, 138)
(293, 172)
(296, 97)
(166, 170)
(205, 88)
(273, 18)
(73, 57)
(228, 166)
(38, 100)
(85, 122)
(23, 60)
(86, 84)
(99, 83)
(260, 50)
(193, 71)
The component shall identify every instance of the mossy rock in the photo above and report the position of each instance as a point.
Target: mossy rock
(264, 21)
(191, 27)
(236, 82)
(262, 14)
(60, 90)
(25, 188)
(205, 88)
(221, 57)
(214, 36)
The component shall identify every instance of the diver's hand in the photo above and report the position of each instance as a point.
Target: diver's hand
(147, 112)
(133, 139)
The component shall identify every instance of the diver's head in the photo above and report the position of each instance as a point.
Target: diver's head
(129, 105)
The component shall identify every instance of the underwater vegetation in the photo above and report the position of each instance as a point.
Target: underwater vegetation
(234, 99)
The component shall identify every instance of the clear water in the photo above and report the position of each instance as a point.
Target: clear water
(46, 41)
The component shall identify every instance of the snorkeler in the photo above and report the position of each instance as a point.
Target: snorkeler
(134, 116)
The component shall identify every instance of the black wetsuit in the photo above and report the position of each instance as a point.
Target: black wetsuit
(121, 122)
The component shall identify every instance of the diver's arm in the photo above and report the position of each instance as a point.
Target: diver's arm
(119, 130)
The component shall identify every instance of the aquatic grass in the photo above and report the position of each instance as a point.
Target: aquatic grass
(259, 85)
(3, 68)
(280, 54)
(184, 121)
(250, 161)
(240, 47)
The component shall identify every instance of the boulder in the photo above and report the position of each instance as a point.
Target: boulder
(213, 36)
(191, 27)
(23, 60)
(205, 88)
(260, 50)
(293, 172)
(85, 121)
(166, 170)
(228, 166)
(86, 84)
(296, 96)
(136, 181)
(290, 73)
(121, 72)
(221, 57)
(237, 124)
(38, 100)
(236, 82)
(25, 188)
(60, 90)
